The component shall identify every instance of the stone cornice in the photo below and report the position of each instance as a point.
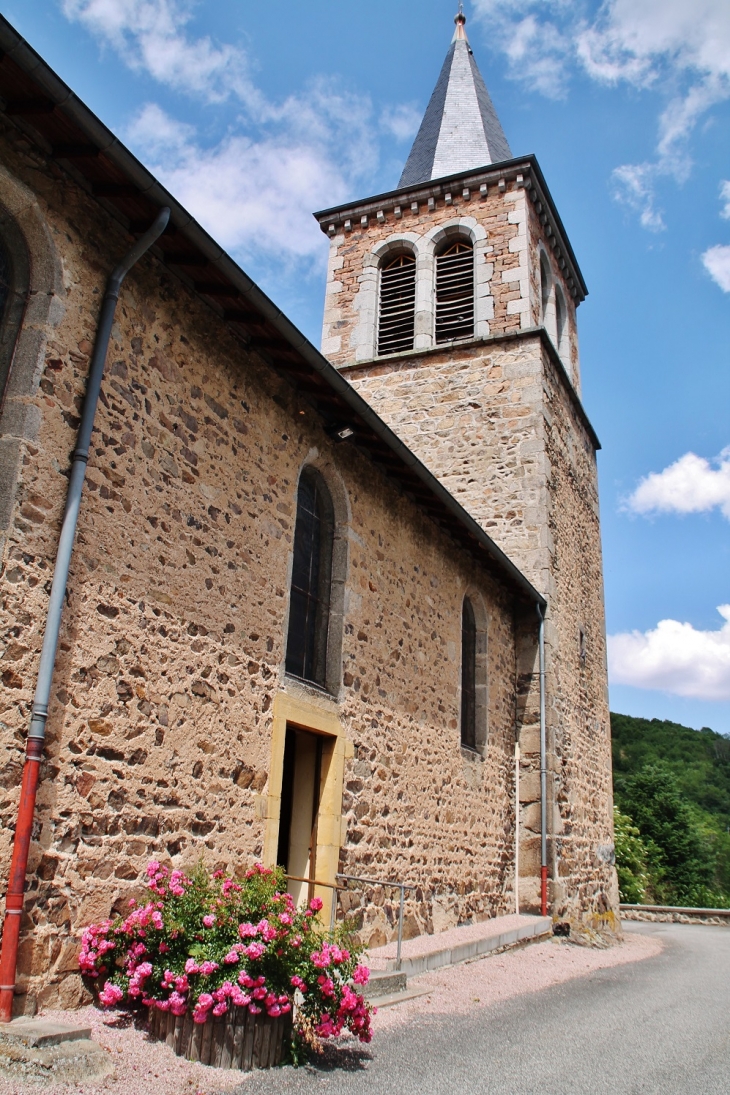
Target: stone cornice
(462, 189)
(508, 336)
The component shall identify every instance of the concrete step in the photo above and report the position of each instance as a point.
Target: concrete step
(393, 998)
(385, 983)
(462, 944)
(40, 1033)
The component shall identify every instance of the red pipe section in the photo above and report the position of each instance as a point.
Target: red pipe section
(543, 891)
(16, 882)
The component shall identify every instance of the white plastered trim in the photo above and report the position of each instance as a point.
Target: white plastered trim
(518, 245)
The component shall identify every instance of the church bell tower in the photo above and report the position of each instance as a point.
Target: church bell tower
(451, 307)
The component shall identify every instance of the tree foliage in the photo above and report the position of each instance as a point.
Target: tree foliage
(672, 789)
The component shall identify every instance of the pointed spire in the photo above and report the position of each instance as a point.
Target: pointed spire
(460, 129)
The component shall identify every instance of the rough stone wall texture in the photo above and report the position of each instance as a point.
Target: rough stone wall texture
(496, 423)
(172, 643)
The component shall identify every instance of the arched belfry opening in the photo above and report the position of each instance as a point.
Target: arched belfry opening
(455, 291)
(397, 311)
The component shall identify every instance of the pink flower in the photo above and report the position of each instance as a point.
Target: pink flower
(286, 918)
(208, 967)
(298, 983)
(255, 950)
(191, 966)
(221, 1008)
(231, 957)
(247, 931)
(361, 976)
(315, 904)
(110, 995)
(254, 1010)
(274, 1010)
(152, 868)
(209, 920)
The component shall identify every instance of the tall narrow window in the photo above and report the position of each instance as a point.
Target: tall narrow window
(560, 318)
(455, 292)
(13, 291)
(309, 607)
(397, 322)
(545, 285)
(468, 676)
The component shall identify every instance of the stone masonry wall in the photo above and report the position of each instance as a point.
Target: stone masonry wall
(495, 422)
(172, 644)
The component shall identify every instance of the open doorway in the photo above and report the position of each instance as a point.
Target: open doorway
(306, 759)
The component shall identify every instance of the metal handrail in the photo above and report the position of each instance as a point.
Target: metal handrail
(402, 886)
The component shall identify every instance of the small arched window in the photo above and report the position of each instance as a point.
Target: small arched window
(397, 314)
(468, 676)
(455, 292)
(561, 316)
(545, 286)
(311, 581)
(13, 292)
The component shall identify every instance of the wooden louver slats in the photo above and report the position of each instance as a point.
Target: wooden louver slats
(396, 328)
(455, 293)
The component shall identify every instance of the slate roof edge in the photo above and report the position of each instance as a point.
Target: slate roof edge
(12, 44)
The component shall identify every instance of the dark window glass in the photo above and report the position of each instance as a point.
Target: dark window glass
(7, 326)
(306, 647)
(396, 329)
(455, 292)
(560, 317)
(468, 675)
(544, 285)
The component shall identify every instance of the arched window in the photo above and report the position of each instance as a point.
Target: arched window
(468, 676)
(455, 292)
(397, 314)
(561, 316)
(311, 581)
(13, 291)
(545, 285)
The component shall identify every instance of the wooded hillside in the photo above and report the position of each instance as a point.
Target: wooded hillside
(672, 793)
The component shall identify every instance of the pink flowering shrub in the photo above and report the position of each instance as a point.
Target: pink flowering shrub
(207, 943)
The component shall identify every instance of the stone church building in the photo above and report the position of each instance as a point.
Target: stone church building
(310, 594)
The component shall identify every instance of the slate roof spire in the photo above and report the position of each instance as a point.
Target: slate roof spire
(460, 129)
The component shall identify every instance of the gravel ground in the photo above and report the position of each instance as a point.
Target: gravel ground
(145, 1067)
(490, 980)
(141, 1066)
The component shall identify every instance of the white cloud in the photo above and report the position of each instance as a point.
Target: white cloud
(679, 48)
(255, 189)
(402, 121)
(725, 196)
(674, 657)
(716, 260)
(633, 184)
(257, 196)
(690, 485)
(150, 35)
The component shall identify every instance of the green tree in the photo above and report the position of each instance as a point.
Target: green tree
(680, 856)
(631, 860)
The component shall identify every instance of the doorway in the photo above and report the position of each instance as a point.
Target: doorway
(306, 758)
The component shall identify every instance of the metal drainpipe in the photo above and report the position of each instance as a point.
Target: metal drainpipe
(39, 711)
(543, 768)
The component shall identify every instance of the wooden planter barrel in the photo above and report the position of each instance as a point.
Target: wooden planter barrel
(237, 1039)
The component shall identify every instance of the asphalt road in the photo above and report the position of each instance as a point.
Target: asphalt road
(657, 1026)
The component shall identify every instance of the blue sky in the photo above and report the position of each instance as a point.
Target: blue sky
(256, 115)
